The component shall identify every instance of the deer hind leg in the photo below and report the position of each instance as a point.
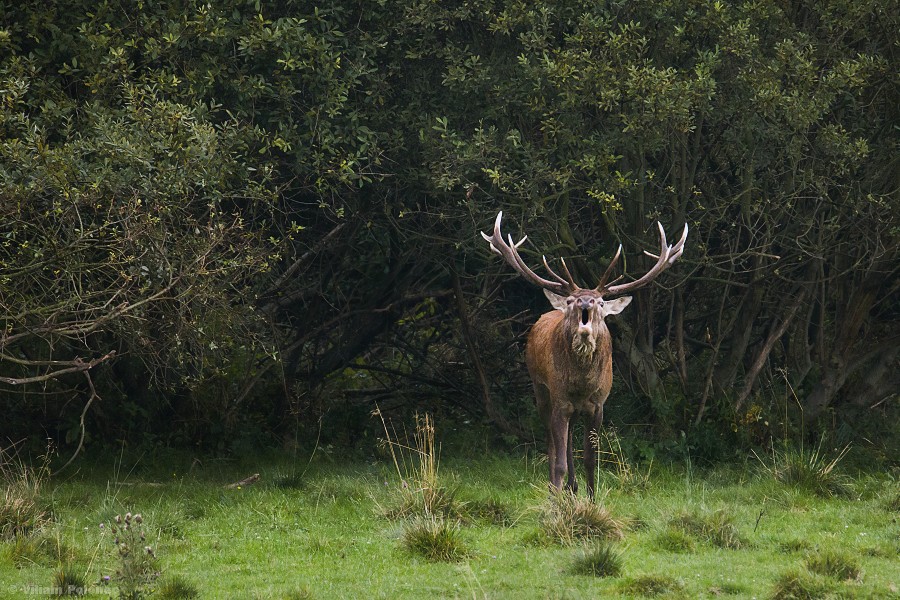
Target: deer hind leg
(571, 481)
(593, 422)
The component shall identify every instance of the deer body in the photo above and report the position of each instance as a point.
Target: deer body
(570, 363)
(569, 352)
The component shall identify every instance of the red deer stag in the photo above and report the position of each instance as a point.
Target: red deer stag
(569, 349)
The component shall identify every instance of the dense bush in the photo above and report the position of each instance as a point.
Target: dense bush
(240, 217)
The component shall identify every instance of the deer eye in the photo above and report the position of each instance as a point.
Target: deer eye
(570, 300)
(592, 301)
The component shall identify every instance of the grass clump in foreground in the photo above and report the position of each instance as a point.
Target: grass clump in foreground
(22, 511)
(833, 563)
(598, 560)
(421, 492)
(302, 593)
(434, 539)
(567, 519)
(811, 470)
(892, 503)
(68, 581)
(716, 528)
(799, 584)
(176, 588)
(652, 585)
(675, 539)
(614, 466)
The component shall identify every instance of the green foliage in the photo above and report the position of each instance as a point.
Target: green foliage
(266, 210)
(892, 501)
(226, 534)
(303, 593)
(795, 545)
(490, 510)
(614, 465)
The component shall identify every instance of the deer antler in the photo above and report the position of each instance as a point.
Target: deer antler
(667, 255)
(509, 251)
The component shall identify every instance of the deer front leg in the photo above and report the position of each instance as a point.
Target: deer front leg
(593, 422)
(571, 482)
(559, 433)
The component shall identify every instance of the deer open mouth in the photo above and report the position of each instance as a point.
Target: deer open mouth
(585, 316)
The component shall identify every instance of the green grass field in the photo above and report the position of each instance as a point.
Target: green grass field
(329, 529)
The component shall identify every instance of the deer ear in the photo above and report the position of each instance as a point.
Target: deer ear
(558, 302)
(614, 307)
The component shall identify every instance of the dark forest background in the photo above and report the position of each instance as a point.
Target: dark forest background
(240, 224)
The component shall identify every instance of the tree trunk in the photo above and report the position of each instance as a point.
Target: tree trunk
(763, 355)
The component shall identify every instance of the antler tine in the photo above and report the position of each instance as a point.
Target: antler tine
(567, 273)
(508, 250)
(557, 277)
(678, 248)
(609, 270)
(667, 255)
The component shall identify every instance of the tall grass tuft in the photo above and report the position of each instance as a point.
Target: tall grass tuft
(176, 588)
(421, 492)
(67, 581)
(892, 502)
(568, 519)
(598, 560)
(435, 539)
(675, 539)
(614, 465)
(798, 584)
(22, 511)
(812, 470)
(833, 563)
(716, 528)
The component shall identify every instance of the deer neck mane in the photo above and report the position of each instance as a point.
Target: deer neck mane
(584, 348)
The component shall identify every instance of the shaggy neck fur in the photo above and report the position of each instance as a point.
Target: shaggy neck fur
(584, 346)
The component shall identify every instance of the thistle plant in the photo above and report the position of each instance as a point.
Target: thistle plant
(138, 566)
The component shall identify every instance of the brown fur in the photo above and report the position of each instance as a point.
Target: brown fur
(570, 380)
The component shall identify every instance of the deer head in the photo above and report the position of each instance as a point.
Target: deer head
(584, 309)
(583, 317)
